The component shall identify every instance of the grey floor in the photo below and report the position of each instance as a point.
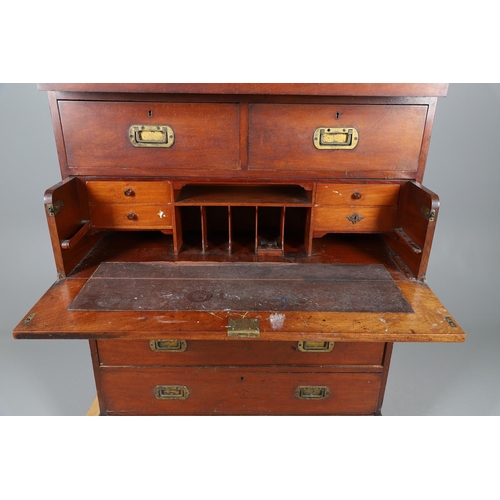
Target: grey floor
(55, 377)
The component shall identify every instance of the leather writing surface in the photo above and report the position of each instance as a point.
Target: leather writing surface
(240, 287)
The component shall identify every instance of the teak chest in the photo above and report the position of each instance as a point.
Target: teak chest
(241, 249)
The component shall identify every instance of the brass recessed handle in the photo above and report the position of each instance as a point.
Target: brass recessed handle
(314, 346)
(171, 392)
(151, 136)
(168, 345)
(335, 138)
(312, 392)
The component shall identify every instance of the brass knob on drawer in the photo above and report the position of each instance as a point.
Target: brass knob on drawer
(356, 196)
(131, 216)
(128, 192)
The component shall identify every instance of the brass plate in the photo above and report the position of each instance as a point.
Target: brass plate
(335, 138)
(151, 136)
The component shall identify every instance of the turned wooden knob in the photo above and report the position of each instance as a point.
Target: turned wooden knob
(128, 192)
(131, 216)
(356, 195)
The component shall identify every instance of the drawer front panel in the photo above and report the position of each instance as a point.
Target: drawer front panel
(129, 192)
(344, 219)
(237, 391)
(237, 353)
(96, 134)
(390, 138)
(357, 194)
(131, 216)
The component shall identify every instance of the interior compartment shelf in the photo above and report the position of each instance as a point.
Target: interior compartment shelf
(274, 195)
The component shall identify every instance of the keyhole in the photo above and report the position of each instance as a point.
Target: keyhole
(150, 113)
(336, 116)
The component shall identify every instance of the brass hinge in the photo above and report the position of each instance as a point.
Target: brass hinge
(243, 328)
(427, 213)
(54, 208)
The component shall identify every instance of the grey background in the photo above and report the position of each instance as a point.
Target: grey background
(55, 377)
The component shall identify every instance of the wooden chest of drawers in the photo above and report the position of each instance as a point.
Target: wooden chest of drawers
(241, 249)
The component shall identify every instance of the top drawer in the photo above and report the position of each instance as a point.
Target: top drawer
(281, 137)
(96, 134)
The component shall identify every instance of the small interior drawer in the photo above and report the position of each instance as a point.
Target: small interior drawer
(131, 216)
(357, 194)
(237, 391)
(129, 191)
(347, 219)
(237, 352)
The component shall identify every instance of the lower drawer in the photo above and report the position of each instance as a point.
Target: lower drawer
(352, 219)
(237, 353)
(131, 216)
(234, 391)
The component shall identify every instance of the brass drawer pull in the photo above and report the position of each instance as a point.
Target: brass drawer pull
(312, 392)
(335, 138)
(313, 346)
(171, 392)
(151, 136)
(168, 345)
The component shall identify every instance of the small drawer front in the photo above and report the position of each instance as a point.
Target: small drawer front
(131, 216)
(99, 135)
(235, 391)
(129, 192)
(237, 353)
(353, 220)
(357, 194)
(388, 142)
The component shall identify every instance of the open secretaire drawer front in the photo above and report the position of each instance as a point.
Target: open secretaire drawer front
(259, 219)
(234, 301)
